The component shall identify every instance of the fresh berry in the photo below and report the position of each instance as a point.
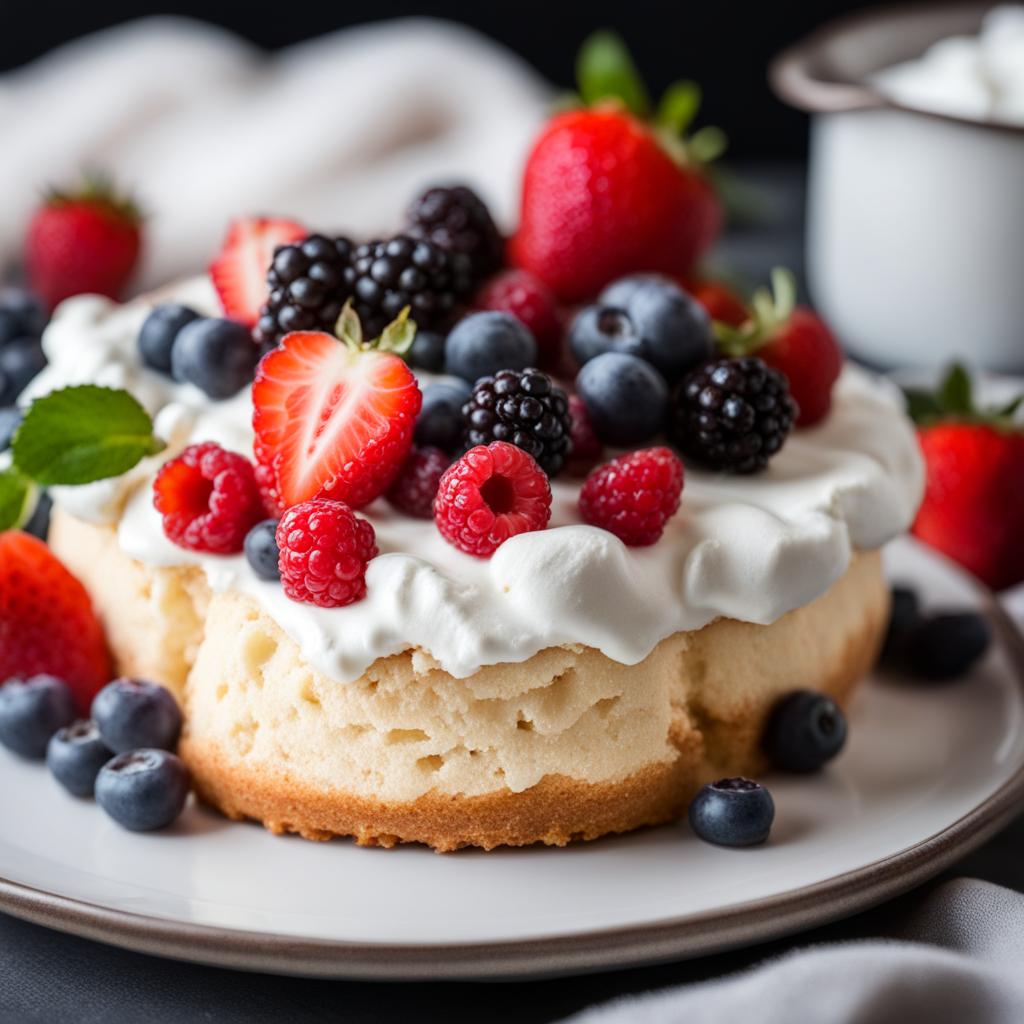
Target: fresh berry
(31, 711)
(793, 340)
(732, 415)
(308, 284)
(441, 423)
(598, 329)
(332, 420)
(132, 713)
(21, 314)
(75, 755)
(720, 301)
(10, 420)
(586, 448)
(635, 495)
(38, 523)
(208, 499)
(489, 495)
(525, 409)
(904, 615)
(47, 624)
(529, 300)
(404, 271)
(159, 329)
(239, 271)
(10, 327)
(626, 398)
(143, 790)
(325, 549)
(84, 240)
(415, 488)
(218, 356)
(733, 812)
(805, 730)
(456, 220)
(484, 343)
(947, 645)
(261, 550)
(20, 361)
(427, 352)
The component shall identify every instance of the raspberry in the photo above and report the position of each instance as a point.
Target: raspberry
(586, 446)
(324, 548)
(414, 489)
(635, 495)
(208, 499)
(490, 494)
(529, 300)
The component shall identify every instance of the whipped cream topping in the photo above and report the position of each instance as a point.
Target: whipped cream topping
(749, 548)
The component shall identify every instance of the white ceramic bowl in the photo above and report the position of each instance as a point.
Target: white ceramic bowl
(915, 243)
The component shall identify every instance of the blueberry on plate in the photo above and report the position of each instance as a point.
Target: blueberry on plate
(427, 352)
(947, 645)
(10, 327)
(31, 711)
(158, 331)
(133, 713)
(75, 756)
(904, 616)
(143, 790)
(261, 550)
(218, 356)
(20, 361)
(484, 343)
(626, 398)
(732, 812)
(441, 423)
(24, 309)
(10, 420)
(599, 329)
(805, 730)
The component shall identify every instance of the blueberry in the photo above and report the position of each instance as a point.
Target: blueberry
(26, 310)
(38, 523)
(218, 356)
(598, 329)
(10, 420)
(733, 812)
(143, 790)
(804, 730)
(904, 615)
(441, 422)
(158, 331)
(20, 361)
(75, 756)
(947, 645)
(427, 352)
(484, 343)
(31, 711)
(621, 292)
(261, 550)
(132, 713)
(626, 398)
(10, 327)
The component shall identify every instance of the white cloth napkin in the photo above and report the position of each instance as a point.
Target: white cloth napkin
(338, 132)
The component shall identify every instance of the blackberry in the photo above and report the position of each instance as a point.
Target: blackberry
(525, 409)
(457, 220)
(405, 271)
(732, 414)
(309, 283)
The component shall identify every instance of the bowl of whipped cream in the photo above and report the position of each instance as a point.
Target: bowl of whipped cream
(915, 226)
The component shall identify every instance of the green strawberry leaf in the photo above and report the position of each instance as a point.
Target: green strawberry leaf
(605, 70)
(81, 434)
(399, 335)
(922, 406)
(17, 499)
(678, 107)
(954, 395)
(1009, 411)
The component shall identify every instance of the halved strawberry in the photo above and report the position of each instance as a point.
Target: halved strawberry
(239, 272)
(332, 420)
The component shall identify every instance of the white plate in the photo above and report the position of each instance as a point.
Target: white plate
(927, 774)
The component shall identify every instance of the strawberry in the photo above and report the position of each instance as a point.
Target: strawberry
(47, 624)
(793, 340)
(973, 505)
(334, 419)
(239, 272)
(86, 239)
(607, 193)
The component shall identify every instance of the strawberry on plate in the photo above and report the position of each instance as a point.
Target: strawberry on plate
(239, 272)
(608, 191)
(791, 339)
(334, 419)
(82, 240)
(47, 624)
(973, 508)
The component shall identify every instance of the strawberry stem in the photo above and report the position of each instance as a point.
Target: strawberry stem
(770, 311)
(954, 400)
(396, 338)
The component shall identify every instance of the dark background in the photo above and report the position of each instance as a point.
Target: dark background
(725, 45)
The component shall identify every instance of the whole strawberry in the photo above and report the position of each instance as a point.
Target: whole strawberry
(86, 239)
(791, 339)
(973, 505)
(606, 192)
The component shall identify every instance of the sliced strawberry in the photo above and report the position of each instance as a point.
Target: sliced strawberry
(331, 421)
(239, 272)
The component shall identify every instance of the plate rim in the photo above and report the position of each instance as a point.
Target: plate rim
(697, 934)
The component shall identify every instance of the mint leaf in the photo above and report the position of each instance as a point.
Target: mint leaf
(955, 392)
(16, 499)
(605, 70)
(82, 434)
(679, 106)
